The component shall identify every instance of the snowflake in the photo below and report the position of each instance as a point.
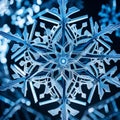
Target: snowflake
(110, 15)
(66, 60)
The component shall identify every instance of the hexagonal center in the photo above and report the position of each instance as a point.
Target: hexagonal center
(63, 61)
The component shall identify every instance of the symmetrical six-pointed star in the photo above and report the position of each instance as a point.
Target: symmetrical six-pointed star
(68, 57)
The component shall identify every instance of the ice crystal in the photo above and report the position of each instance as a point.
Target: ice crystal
(110, 15)
(4, 45)
(66, 59)
(18, 107)
(24, 14)
(4, 73)
(4, 7)
(102, 110)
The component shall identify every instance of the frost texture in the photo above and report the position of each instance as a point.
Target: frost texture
(110, 15)
(65, 59)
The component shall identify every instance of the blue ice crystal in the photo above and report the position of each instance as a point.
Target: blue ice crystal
(4, 44)
(67, 59)
(110, 15)
(4, 7)
(18, 107)
(4, 73)
(25, 12)
(103, 109)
